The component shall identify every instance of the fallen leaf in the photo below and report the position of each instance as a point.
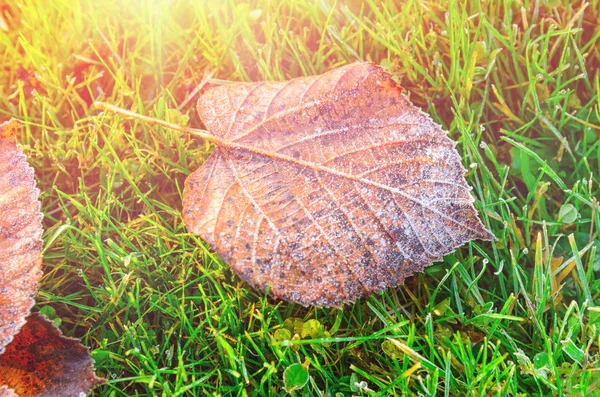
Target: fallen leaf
(20, 235)
(42, 362)
(35, 359)
(326, 188)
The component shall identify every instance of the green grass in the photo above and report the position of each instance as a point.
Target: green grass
(516, 83)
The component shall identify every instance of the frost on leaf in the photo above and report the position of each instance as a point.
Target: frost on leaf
(20, 235)
(42, 362)
(326, 188)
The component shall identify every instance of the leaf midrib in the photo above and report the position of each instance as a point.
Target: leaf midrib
(318, 167)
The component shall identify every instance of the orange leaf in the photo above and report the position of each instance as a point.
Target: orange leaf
(42, 362)
(326, 188)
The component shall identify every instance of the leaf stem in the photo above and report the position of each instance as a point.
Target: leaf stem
(192, 131)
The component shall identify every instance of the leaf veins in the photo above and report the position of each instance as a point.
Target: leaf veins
(42, 362)
(326, 188)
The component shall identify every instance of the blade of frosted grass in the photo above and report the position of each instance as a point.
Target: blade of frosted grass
(583, 282)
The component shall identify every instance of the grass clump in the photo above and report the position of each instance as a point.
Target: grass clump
(516, 83)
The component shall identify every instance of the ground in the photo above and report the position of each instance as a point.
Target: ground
(516, 84)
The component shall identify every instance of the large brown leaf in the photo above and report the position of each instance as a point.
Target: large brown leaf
(326, 188)
(20, 235)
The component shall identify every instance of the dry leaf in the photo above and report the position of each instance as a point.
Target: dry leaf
(35, 359)
(20, 235)
(326, 188)
(42, 362)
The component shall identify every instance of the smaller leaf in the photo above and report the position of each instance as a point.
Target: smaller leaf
(543, 92)
(391, 350)
(312, 328)
(567, 214)
(42, 362)
(356, 386)
(294, 324)
(441, 308)
(295, 377)
(541, 360)
(282, 334)
(100, 356)
(48, 311)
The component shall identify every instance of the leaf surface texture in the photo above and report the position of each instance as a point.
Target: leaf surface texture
(326, 188)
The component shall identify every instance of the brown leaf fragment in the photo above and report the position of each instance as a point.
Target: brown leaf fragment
(20, 235)
(326, 188)
(41, 362)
